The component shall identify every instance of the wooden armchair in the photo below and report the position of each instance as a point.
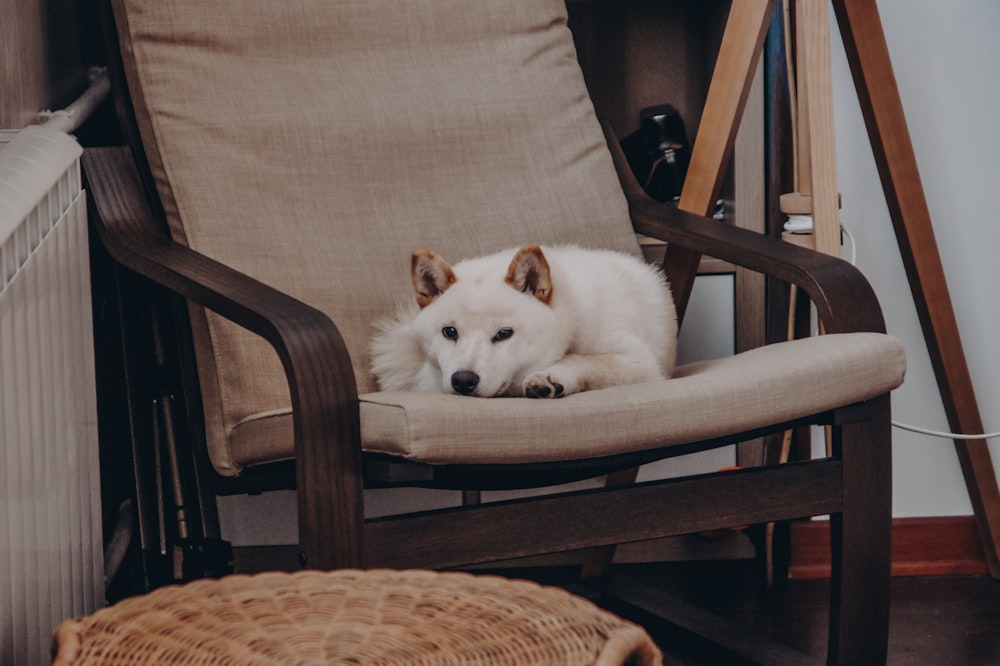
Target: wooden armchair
(300, 151)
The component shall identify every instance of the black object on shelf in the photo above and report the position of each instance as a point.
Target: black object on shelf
(659, 152)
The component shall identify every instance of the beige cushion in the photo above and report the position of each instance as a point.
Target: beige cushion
(704, 400)
(314, 144)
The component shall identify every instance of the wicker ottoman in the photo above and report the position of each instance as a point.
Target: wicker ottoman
(354, 617)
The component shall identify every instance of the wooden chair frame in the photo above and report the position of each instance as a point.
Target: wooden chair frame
(331, 471)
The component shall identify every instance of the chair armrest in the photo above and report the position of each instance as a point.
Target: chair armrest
(843, 297)
(316, 362)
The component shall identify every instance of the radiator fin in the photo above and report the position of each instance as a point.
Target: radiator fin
(51, 561)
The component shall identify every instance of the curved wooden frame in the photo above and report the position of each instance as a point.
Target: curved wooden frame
(330, 468)
(852, 486)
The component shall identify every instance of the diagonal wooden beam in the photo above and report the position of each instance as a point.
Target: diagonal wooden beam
(741, 47)
(871, 67)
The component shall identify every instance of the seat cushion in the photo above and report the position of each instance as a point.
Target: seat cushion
(704, 400)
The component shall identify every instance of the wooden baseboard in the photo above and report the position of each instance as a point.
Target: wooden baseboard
(933, 546)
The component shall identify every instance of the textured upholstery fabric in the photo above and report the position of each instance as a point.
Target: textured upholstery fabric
(314, 144)
(704, 400)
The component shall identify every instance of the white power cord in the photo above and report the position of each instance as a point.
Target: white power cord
(906, 426)
(804, 224)
(854, 245)
(945, 435)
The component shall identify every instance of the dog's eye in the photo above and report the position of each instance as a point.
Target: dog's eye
(450, 332)
(503, 334)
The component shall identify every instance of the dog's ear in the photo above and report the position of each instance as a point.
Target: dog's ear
(431, 276)
(529, 272)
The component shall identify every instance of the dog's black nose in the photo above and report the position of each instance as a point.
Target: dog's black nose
(464, 382)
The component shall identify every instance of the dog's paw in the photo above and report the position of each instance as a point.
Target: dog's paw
(543, 385)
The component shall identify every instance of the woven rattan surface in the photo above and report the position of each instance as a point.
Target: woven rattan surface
(354, 617)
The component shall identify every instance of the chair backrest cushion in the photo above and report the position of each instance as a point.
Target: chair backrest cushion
(313, 144)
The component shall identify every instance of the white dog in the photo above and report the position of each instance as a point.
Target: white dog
(529, 322)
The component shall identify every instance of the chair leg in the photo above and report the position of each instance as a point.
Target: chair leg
(597, 561)
(861, 538)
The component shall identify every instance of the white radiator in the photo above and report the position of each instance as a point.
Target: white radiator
(51, 561)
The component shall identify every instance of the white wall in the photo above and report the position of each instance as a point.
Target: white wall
(946, 57)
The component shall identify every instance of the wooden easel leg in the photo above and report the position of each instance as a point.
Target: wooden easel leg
(735, 67)
(816, 113)
(868, 54)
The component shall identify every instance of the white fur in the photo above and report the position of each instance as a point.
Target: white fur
(609, 320)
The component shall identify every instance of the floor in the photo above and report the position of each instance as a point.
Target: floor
(938, 621)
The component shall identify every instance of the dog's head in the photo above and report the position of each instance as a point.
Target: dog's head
(484, 330)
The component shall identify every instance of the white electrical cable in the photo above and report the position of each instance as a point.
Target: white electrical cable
(906, 426)
(945, 435)
(854, 245)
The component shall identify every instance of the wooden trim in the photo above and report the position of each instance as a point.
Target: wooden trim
(931, 546)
